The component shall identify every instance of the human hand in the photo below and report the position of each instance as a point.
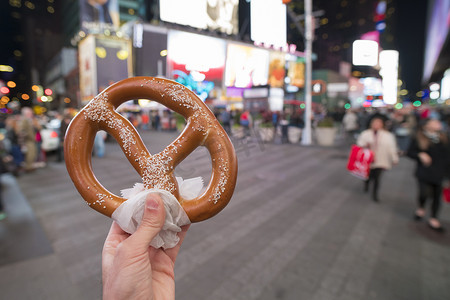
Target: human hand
(134, 270)
(425, 159)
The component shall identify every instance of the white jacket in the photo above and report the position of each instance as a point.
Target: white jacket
(382, 144)
(350, 121)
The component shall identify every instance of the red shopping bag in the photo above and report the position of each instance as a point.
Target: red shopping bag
(359, 162)
(446, 194)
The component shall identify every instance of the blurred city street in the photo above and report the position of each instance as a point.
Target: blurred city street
(298, 227)
(339, 112)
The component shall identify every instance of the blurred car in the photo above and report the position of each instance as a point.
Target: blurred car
(50, 135)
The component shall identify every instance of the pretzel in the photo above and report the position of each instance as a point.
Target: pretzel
(157, 170)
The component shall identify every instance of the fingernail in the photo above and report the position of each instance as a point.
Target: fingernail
(152, 203)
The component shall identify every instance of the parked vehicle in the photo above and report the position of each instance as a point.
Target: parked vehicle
(50, 135)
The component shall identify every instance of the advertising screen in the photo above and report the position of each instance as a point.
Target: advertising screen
(196, 61)
(98, 15)
(150, 52)
(389, 72)
(113, 61)
(372, 86)
(103, 61)
(365, 53)
(277, 69)
(246, 66)
(268, 22)
(220, 15)
(88, 69)
(201, 56)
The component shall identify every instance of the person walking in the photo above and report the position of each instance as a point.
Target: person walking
(99, 143)
(430, 149)
(350, 123)
(27, 136)
(284, 123)
(145, 120)
(12, 134)
(225, 119)
(384, 148)
(246, 122)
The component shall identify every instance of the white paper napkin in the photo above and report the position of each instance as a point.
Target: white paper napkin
(129, 214)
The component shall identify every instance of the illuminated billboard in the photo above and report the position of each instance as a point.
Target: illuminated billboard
(99, 15)
(389, 72)
(88, 69)
(365, 53)
(113, 61)
(277, 69)
(103, 61)
(219, 15)
(268, 22)
(445, 86)
(150, 50)
(372, 86)
(196, 61)
(196, 54)
(246, 66)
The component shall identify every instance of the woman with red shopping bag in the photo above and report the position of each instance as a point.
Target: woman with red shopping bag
(430, 148)
(382, 143)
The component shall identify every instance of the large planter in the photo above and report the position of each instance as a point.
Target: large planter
(266, 134)
(294, 134)
(325, 135)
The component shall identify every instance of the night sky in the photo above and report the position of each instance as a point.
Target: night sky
(411, 23)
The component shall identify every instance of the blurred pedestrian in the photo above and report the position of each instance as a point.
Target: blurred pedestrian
(363, 119)
(225, 119)
(384, 148)
(246, 121)
(99, 143)
(6, 161)
(62, 133)
(350, 123)
(12, 129)
(430, 148)
(40, 153)
(275, 121)
(27, 138)
(156, 121)
(284, 123)
(145, 120)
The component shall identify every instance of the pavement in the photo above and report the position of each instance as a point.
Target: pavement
(298, 227)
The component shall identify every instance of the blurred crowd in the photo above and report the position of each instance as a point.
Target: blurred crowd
(27, 140)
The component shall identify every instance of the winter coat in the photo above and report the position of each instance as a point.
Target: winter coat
(383, 145)
(440, 161)
(350, 121)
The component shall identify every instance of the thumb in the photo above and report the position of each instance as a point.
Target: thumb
(151, 224)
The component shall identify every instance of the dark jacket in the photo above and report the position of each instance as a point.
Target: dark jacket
(440, 156)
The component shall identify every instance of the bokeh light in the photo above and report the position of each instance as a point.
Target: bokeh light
(4, 90)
